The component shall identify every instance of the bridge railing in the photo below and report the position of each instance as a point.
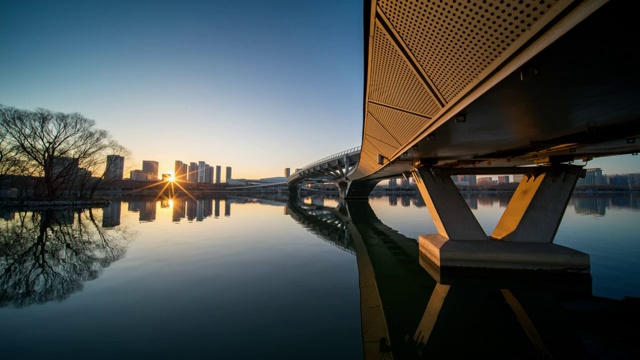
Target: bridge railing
(331, 157)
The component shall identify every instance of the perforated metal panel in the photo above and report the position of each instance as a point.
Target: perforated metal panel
(393, 82)
(380, 146)
(374, 128)
(402, 125)
(454, 41)
(368, 162)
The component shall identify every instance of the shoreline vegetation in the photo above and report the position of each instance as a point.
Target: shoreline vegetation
(42, 204)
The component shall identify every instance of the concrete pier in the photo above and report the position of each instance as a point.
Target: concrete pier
(523, 238)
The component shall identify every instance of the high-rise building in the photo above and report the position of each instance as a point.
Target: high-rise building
(180, 171)
(503, 179)
(193, 172)
(218, 174)
(151, 169)
(228, 174)
(486, 180)
(138, 175)
(517, 178)
(64, 166)
(208, 176)
(469, 179)
(115, 168)
(201, 171)
(593, 176)
(287, 172)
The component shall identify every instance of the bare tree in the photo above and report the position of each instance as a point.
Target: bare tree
(10, 160)
(61, 149)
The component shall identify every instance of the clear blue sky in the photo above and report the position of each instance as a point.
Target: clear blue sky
(256, 85)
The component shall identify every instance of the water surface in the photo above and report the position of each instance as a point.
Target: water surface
(246, 277)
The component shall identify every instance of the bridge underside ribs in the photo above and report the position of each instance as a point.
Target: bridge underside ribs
(523, 238)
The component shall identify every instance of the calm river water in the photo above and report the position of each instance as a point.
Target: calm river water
(258, 278)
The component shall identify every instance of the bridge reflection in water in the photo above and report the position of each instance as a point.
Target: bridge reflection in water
(410, 308)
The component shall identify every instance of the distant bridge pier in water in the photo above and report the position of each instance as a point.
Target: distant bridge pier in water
(357, 189)
(523, 237)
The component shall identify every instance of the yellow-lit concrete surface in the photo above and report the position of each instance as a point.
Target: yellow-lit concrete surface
(492, 254)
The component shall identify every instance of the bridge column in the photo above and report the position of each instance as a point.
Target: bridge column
(343, 188)
(359, 189)
(523, 237)
(451, 214)
(293, 191)
(536, 208)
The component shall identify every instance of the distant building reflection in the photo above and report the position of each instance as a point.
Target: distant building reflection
(111, 215)
(179, 209)
(195, 209)
(597, 203)
(191, 210)
(486, 199)
(147, 210)
(472, 201)
(589, 205)
(418, 201)
(201, 209)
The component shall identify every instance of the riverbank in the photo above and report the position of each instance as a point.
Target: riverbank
(52, 204)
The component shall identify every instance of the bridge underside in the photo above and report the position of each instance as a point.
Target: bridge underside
(473, 84)
(488, 87)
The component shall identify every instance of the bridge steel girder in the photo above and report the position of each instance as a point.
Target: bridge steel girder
(523, 238)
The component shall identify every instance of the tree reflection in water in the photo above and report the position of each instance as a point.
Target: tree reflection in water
(48, 255)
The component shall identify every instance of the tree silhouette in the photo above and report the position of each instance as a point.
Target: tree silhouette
(63, 150)
(48, 255)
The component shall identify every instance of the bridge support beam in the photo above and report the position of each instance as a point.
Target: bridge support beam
(354, 190)
(523, 237)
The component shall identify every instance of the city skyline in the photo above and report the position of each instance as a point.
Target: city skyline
(250, 89)
(169, 82)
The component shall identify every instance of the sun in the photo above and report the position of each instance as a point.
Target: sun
(167, 186)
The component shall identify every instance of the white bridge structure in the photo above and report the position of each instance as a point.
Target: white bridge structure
(493, 87)
(335, 168)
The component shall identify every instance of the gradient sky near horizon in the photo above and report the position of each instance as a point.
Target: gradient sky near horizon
(255, 85)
